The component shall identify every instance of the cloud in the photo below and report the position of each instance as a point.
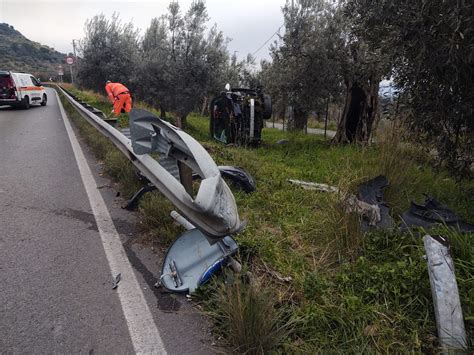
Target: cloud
(249, 23)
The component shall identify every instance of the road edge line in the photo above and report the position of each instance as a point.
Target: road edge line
(143, 331)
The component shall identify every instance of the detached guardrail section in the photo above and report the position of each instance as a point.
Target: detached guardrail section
(213, 210)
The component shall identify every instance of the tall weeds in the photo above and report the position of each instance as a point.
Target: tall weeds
(395, 161)
(246, 313)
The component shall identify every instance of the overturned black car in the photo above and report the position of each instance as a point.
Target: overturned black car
(237, 116)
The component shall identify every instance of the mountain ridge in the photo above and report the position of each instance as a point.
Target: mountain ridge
(18, 53)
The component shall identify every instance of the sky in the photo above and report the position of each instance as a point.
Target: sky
(249, 23)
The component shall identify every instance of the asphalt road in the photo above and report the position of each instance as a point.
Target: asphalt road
(55, 277)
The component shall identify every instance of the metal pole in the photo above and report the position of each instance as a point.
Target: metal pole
(326, 120)
(75, 58)
(74, 48)
(72, 75)
(284, 116)
(252, 118)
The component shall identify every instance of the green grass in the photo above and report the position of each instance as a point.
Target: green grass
(313, 123)
(349, 292)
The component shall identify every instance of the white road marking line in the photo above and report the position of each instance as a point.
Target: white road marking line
(143, 331)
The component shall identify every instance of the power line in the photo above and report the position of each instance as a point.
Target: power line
(268, 40)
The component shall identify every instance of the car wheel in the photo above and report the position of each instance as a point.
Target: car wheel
(45, 100)
(25, 103)
(267, 107)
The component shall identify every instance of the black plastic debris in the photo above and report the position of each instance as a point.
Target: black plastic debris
(433, 214)
(132, 203)
(238, 176)
(116, 281)
(371, 192)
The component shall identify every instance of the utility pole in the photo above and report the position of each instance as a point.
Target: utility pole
(72, 75)
(75, 59)
(74, 47)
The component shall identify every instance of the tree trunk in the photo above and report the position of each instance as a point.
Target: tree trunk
(162, 112)
(299, 120)
(358, 116)
(181, 121)
(205, 106)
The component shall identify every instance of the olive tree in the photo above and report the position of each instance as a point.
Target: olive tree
(430, 48)
(153, 66)
(299, 62)
(109, 51)
(318, 59)
(181, 61)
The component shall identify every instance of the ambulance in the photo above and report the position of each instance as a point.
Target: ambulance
(21, 90)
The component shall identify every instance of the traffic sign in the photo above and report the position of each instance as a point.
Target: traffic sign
(70, 60)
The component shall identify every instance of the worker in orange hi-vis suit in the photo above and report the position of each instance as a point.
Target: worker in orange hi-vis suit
(119, 96)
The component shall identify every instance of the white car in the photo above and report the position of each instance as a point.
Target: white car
(21, 90)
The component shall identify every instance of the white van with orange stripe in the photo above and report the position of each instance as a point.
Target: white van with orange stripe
(21, 90)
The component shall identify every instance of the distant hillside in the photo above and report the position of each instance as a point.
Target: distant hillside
(18, 53)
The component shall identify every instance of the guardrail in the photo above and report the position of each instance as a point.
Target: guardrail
(213, 210)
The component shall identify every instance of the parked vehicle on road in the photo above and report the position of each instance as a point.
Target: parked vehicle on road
(21, 90)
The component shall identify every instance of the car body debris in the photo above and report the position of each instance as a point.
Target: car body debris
(431, 214)
(444, 289)
(192, 260)
(314, 186)
(370, 198)
(367, 203)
